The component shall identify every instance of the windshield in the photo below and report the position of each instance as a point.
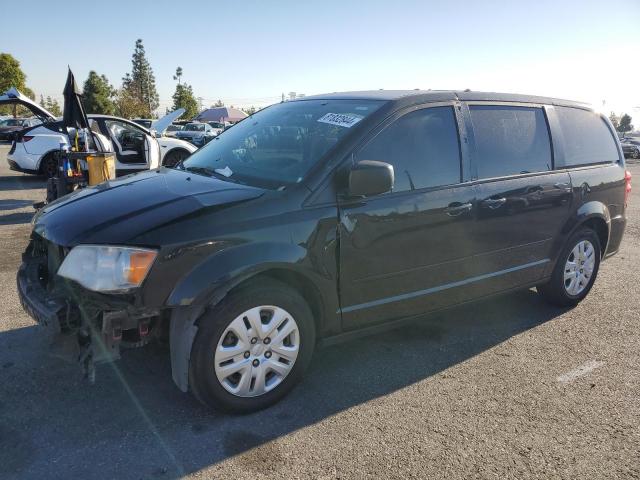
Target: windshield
(277, 146)
(174, 128)
(195, 127)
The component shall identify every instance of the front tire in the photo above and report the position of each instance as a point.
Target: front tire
(636, 154)
(576, 270)
(252, 348)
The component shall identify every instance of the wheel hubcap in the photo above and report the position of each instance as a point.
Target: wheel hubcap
(579, 267)
(270, 337)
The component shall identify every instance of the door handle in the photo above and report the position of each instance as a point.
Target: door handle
(455, 209)
(494, 203)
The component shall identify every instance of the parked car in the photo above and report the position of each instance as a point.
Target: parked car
(218, 127)
(11, 126)
(145, 122)
(197, 133)
(631, 147)
(326, 218)
(171, 130)
(136, 148)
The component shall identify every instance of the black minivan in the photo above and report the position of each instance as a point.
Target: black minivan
(314, 218)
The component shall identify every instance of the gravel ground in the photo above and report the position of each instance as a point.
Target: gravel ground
(506, 388)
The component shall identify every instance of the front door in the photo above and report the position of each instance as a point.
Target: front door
(522, 202)
(408, 251)
(130, 143)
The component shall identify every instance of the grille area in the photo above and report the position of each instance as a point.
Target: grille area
(49, 256)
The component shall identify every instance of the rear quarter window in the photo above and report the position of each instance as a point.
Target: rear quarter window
(587, 138)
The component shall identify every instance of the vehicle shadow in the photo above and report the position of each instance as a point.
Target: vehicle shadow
(16, 218)
(134, 423)
(21, 182)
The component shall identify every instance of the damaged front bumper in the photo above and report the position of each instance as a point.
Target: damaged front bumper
(99, 324)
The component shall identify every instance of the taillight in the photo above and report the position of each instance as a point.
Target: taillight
(627, 186)
(26, 138)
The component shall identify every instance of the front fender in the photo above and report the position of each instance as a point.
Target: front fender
(211, 280)
(214, 277)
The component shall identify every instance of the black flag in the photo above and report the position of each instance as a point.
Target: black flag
(73, 116)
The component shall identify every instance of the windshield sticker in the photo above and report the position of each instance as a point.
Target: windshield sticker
(226, 171)
(347, 120)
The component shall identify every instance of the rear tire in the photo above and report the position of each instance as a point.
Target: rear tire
(575, 271)
(49, 166)
(636, 154)
(261, 376)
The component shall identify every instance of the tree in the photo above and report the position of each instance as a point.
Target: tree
(218, 104)
(51, 105)
(141, 83)
(250, 110)
(625, 124)
(178, 74)
(128, 105)
(615, 120)
(183, 97)
(98, 95)
(11, 75)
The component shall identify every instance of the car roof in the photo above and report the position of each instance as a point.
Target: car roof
(426, 96)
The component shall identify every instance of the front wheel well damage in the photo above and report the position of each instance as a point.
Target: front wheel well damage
(184, 320)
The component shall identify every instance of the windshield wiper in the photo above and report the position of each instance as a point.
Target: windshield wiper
(201, 170)
(210, 172)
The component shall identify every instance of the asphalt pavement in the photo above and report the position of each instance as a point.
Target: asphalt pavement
(505, 388)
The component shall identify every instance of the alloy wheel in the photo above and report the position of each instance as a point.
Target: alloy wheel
(256, 351)
(579, 267)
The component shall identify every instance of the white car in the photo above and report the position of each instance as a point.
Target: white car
(136, 147)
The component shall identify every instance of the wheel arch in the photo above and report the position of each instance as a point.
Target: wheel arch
(43, 156)
(177, 148)
(184, 318)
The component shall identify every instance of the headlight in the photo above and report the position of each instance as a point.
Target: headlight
(107, 269)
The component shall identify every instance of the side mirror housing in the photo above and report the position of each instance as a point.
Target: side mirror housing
(370, 177)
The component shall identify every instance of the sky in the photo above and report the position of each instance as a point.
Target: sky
(250, 52)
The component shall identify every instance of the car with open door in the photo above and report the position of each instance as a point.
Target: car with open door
(136, 148)
(323, 219)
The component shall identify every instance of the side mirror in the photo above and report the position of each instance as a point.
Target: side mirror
(155, 134)
(369, 177)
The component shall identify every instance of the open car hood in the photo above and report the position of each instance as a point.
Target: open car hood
(14, 97)
(161, 124)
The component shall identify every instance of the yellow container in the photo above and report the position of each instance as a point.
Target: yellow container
(102, 167)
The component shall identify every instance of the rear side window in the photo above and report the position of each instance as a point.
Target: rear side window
(587, 138)
(510, 140)
(423, 148)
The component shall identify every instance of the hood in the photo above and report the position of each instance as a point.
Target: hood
(161, 124)
(119, 211)
(14, 97)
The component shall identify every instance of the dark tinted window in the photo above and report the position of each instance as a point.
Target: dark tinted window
(587, 139)
(510, 140)
(423, 148)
